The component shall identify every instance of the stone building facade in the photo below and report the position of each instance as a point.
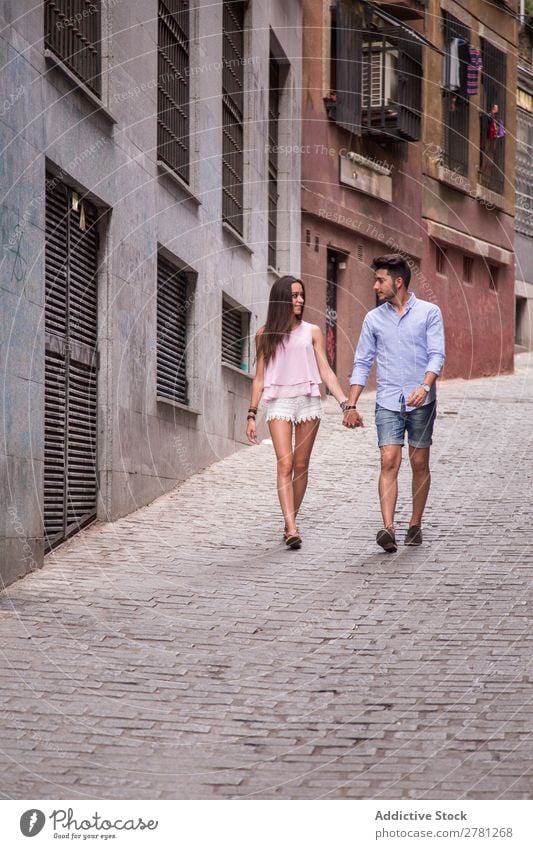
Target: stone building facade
(469, 181)
(400, 161)
(144, 218)
(524, 189)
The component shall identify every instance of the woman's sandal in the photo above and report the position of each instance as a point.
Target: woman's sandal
(293, 540)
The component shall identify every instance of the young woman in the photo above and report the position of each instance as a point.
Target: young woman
(291, 363)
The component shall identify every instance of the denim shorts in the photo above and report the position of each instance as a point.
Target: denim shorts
(302, 408)
(392, 424)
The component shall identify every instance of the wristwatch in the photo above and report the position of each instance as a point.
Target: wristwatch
(426, 387)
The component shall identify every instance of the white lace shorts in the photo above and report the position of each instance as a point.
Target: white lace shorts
(303, 408)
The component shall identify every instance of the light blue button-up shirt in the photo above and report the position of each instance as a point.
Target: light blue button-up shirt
(407, 346)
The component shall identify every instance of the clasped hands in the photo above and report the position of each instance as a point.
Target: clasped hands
(352, 419)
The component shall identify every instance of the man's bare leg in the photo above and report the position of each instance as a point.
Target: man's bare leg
(391, 460)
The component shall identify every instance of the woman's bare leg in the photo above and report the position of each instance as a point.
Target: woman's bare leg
(303, 445)
(281, 433)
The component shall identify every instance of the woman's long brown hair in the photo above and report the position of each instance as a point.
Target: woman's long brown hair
(280, 317)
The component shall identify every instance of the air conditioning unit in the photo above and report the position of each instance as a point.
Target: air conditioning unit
(379, 80)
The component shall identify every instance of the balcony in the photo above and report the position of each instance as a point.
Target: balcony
(377, 74)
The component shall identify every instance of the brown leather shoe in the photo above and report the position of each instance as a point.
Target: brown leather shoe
(413, 536)
(387, 540)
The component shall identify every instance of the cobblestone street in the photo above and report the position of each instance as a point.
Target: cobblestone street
(183, 653)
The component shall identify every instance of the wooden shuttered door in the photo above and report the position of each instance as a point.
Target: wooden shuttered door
(349, 48)
(172, 311)
(409, 93)
(70, 468)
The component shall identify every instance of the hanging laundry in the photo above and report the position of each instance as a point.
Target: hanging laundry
(496, 129)
(463, 54)
(475, 65)
(457, 61)
(452, 81)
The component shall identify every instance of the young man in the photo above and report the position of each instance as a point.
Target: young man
(407, 336)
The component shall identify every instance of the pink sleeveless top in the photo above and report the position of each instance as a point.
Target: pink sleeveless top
(293, 370)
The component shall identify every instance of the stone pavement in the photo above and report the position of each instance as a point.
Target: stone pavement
(183, 653)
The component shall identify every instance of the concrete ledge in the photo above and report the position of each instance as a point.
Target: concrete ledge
(236, 370)
(237, 236)
(469, 244)
(172, 175)
(489, 198)
(454, 179)
(57, 63)
(185, 407)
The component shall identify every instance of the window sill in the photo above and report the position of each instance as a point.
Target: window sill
(185, 407)
(237, 236)
(454, 179)
(488, 198)
(236, 370)
(274, 272)
(168, 172)
(57, 63)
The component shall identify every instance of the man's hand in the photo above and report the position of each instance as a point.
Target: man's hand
(417, 397)
(352, 419)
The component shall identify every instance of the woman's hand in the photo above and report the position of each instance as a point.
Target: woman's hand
(251, 432)
(352, 419)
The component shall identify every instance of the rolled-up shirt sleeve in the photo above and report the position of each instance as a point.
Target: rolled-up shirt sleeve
(435, 341)
(364, 355)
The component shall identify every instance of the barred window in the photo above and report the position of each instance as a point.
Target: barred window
(232, 113)
(172, 321)
(73, 33)
(455, 104)
(468, 268)
(440, 259)
(492, 122)
(493, 274)
(173, 93)
(273, 143)
(524, 173)
(235, 336)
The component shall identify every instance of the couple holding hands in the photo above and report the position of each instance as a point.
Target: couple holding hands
(406, 335)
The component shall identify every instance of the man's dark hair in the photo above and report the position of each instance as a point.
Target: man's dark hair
(396, 265)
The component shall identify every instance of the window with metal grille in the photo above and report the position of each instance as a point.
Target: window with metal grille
(173, 93)
(273, 142)
(233, 112)
(440, 259)
(493, 272)
(72, 31)
(524, 173)
(455, 103)
(378, 76)
(172, 322)
(235, 336)
(492, 120)
(468, 268)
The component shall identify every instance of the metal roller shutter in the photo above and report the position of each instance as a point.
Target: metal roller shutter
(70, 469)
(172, 309)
